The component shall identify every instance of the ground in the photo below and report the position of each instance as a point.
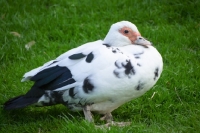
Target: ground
(34, 32)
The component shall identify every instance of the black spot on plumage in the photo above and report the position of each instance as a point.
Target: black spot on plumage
(138, 64)
(52, 98)
(156, 73)
(137, 57)
(114, 51)
(45, 103)
(89, 58)
(140, 86)
(129, 68)
(123, 68)
(139, 53)
(87, 85)
(118, 64)
(77, 56)
(107, 45)
(71, 92)
(55, 97)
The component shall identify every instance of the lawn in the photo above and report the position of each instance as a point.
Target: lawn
(54, 27)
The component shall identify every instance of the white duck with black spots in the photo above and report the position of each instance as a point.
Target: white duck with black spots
(98, 76)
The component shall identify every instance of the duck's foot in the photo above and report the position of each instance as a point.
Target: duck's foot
(87, 113)
(109, 119)
(119, 124)
(113, 123)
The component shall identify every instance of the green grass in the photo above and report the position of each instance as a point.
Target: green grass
(57, 26)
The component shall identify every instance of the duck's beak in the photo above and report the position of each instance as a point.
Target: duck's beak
(139, 40)
(142, 41)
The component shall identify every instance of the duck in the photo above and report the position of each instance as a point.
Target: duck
(98, 76)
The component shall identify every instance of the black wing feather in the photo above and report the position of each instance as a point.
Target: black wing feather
(48, 76)
(53, 78)
(46, 72)
(50, 79)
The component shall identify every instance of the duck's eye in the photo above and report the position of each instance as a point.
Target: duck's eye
(126, 31)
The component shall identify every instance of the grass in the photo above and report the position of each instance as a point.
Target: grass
(57, 26)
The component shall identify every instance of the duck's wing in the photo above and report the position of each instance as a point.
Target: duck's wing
(76, 53)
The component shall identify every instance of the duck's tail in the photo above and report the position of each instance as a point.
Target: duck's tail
(19, 102)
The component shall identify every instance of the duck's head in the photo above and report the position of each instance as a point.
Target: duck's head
(125, 33)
